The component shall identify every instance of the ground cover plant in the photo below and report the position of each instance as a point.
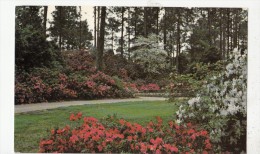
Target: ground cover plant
(30, 128)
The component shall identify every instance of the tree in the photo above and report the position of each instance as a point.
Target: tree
(31, 47)
(68, 29)
(148, 55)
(95, 31)
(112, 27)
(45, 19)
(100, 43)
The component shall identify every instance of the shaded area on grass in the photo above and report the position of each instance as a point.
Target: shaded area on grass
(31, 127)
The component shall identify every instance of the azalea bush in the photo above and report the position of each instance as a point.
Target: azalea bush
(113, 135)
(220, 107)
(33, 89)
(151, 87)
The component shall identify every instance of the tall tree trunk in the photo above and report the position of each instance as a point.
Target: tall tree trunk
(209, 26)
(98, 23)
(145, 21)
(135, 17)
(221, 33)
(95, 29)
(178, 40)
(228, 31)
(164, 29)
(122, 31)
(80, 29)
(112, 40)
(129, 31)
(235, 29)
(45, 20)
(100, 43)
(60, 30)
(157, 21)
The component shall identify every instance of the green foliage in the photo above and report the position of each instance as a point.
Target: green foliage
(67, 28)
(31, 47)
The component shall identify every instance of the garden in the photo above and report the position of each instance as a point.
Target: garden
(198, 64)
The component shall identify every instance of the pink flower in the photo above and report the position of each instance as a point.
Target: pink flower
(74, 138)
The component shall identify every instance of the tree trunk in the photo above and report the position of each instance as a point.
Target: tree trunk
(112, 40)
(95, 29)
(235, 29)
(228, 31)
(60, 30)
(209, 26)
(100, 44)
(157, 21)
(80, 29)
(129, 31)
(122, 31)
(178, 40)
(164, 30)
(221, 33)
(98, 24)
(145, 21)
(45, 20)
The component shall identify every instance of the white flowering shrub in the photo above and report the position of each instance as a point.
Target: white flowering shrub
(221, 106)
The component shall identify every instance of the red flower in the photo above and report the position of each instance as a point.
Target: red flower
(59, 131)
(129, 138)
(158, 151)
(174, 149)
(95, 138)
(79, 115)
(193, 136)
(191, 131)
(52, 131)
(204, 133)
(143, 148)
(100, 148)
(157, 141)
(74, 138)
(208, 145)
(73, 117)
(122, 121)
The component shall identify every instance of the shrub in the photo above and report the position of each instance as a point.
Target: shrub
(151, 87)
(221, 107)
(118, 135)
(30, 88)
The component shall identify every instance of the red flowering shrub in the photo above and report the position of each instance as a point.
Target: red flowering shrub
(34, 90)
(151, 87)
(63, 87)
(132, 87)
(118, 135)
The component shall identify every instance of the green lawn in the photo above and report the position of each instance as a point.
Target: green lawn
(31, 127)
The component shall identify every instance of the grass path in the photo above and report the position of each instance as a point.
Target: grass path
(31, 127)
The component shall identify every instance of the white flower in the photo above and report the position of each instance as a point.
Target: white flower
(193, 101)
(178, 121)
(223, 112)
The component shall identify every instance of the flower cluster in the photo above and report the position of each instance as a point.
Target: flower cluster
(149, 87)
(118, 135)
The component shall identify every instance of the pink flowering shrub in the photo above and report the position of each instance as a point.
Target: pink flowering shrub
(63, 87)
(132, 87)
(118, 135)
(151, 87)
